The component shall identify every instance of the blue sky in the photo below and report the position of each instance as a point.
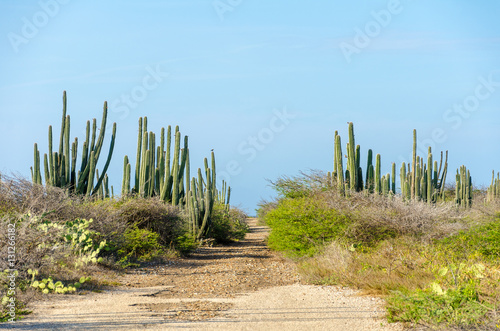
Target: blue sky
(263, 83)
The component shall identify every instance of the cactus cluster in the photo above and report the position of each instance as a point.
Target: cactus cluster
(423, 181)
(156, 173)
(60, 167)
(352, 178)
(463, 188)
(419, 180)
(164, 171)
(493, 192)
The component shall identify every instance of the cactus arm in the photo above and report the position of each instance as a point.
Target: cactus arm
(110, 154)
(138, 158)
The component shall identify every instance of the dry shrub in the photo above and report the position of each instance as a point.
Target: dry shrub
(27, 239)
(373, 213)
(388, 268)
(152, 214)
(111, 217)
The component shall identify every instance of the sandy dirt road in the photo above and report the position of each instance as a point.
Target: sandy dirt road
(243, 286)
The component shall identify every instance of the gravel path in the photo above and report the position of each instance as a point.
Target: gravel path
(243, 286)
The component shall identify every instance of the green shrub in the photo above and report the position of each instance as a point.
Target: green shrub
(227, 225)
(482, 240)
(263, 208)
(186, 243)
(455, 307)
(139, 245)
(466, 282)
(154, 215)
(300, 226)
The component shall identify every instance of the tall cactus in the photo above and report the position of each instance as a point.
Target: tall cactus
(60, 167)
(426, 180)
(154, 176)
(403, 180)
(339, 165)
(353, 162)
(126, 177)
(378, 179)
(413, 178)
(430, 185)
(393, 182)
(370, 180)
(351, 158)
(463, 188)
(493, 191)
(164, 171)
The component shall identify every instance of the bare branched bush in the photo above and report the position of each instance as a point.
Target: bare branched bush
(152, 214)
(111, 217)
(403, 217)
(372, 212)
(29, 253)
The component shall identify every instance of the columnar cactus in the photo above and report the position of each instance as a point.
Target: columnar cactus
(426, 180)
(393, 183)
(463, 188)
(419, 180)
(60, 167)
(430, 186)
(370, 180)
(378, 179)
(339, 165)
(403, 180)
(165, 172)
(493, 192)
(351, 158)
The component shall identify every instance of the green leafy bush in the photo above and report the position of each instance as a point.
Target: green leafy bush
(301, 225)
(227, 225)
(466, 282)
(139, 245)
(432, 306)
(186, 243)
(482, 240)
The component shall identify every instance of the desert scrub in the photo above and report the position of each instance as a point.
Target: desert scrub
(461, 295)
(13, 298)
(300, 226)
(57, 250)
(138, 246)
(75, 238)
(483, 240)
(227, 224)
(453, 308)
(391, 265)
(466, 286)
(447, 282)
(436, 265)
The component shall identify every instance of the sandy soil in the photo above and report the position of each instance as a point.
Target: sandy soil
(243, 286)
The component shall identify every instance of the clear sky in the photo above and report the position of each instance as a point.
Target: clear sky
(263, 83)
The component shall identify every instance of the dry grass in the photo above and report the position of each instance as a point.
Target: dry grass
(392, 241)
(394, 265)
